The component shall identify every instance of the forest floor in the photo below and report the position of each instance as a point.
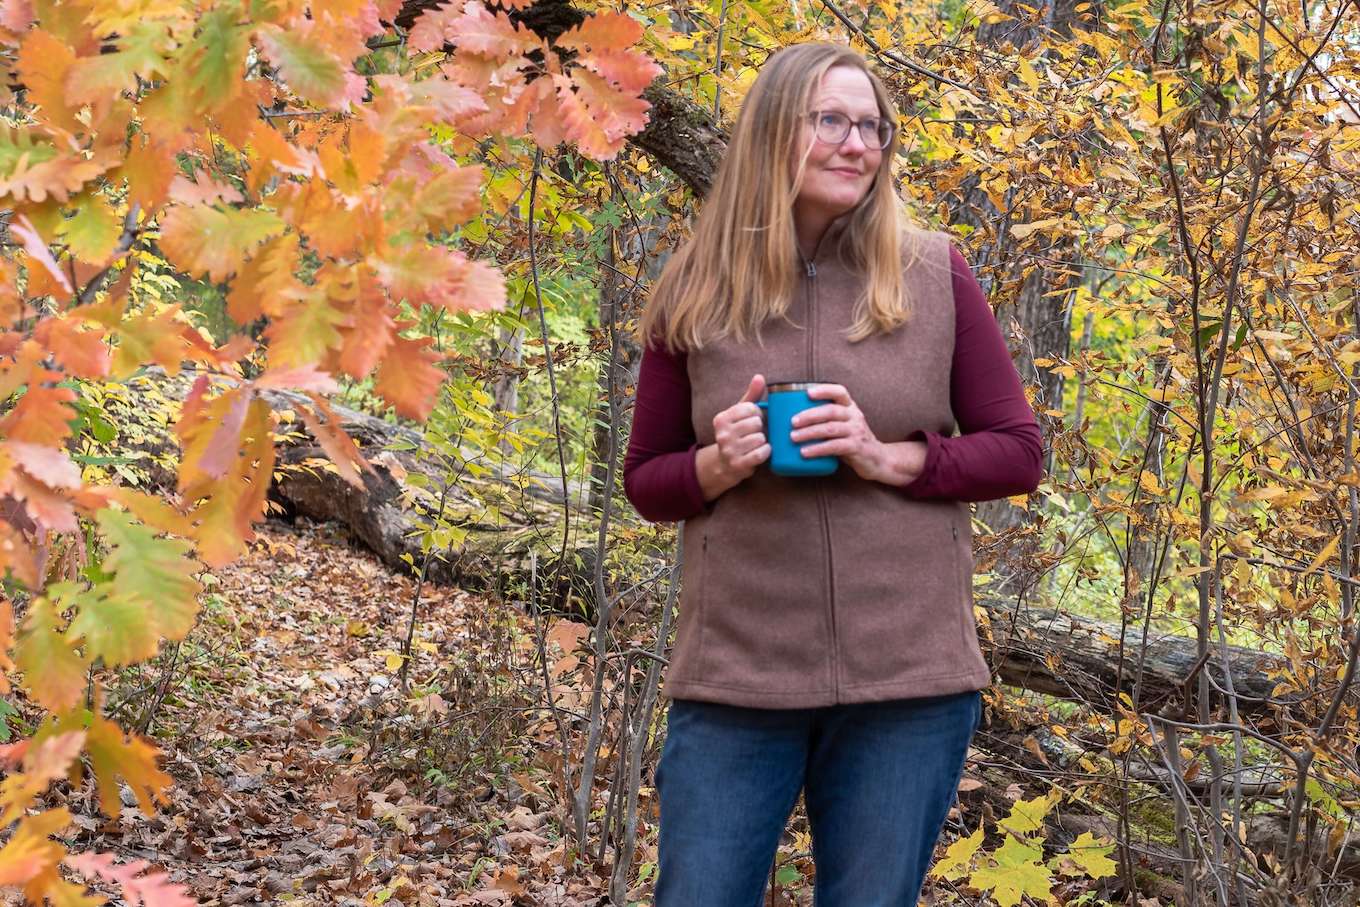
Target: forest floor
(303, 776)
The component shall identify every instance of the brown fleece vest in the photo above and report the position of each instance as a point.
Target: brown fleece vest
(802, 592)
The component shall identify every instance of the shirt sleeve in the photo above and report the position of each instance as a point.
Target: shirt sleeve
(999, 449)
(659, 473)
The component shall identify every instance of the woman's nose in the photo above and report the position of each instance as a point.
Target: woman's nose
(854, 143)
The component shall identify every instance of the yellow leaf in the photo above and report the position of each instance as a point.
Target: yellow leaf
(1028, 75)
(1324, 555)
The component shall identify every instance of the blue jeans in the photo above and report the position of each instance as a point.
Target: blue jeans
(879, 777)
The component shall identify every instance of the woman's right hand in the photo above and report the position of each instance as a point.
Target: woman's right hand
(740, 445)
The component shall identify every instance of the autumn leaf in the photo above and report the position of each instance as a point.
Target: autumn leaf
(958, 857)
(93, 233)
(30, 851)
(114, 755)
(474, 29)
(154, 571)
(208, 239)
(43, 763)
(53, 671)
(141, 884)
(309, 69)
(1016, 870)
(408, 378)
(1087, 856)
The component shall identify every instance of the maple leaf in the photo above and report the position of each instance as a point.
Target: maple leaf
(53, 671)
(958, 857)
(1027, 816)
(369, 334)
(113, 755)
(30, 850)
(207, 239)
(151, 889)
(157, 572)
(1087, 856)
(1017, 870)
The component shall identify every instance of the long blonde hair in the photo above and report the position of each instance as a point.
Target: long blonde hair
(740, 267)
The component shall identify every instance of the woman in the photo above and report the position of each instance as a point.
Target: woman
(826, 641)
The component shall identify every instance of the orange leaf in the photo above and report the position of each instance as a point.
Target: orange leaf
(49, 465)
(149, 168)
(37, 249)
(475, 30)
(82, 353)
(408, 378)
(265, 282)
(340, 447)
(30, 851)
(597, 116)
(603, 31)
(44, 62)
(114, 755)
(43, 764)
(627, 70)
(41, 416)
(202, 239)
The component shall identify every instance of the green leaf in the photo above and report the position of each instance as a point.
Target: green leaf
(93, 233)
(217, 57)
(154, 571)
(1018, 870)
(309, 69)
(115, 628)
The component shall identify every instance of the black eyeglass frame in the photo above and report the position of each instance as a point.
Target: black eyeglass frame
(870, 140)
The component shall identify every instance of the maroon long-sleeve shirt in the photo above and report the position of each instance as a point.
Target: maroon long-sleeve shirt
(999, 450)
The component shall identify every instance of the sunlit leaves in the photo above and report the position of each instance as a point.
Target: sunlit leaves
(205, 239)
(53, 672)
(308, 68)
(113, 756)
(155, 571)
(139, 882)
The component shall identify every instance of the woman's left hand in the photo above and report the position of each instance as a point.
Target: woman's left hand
(839, 429)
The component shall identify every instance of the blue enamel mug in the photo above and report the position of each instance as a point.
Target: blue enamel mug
(787, 399)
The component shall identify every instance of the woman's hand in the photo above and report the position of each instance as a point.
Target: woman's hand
(839, 428)
(740, 445)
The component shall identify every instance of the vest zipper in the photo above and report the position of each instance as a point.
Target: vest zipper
(822, 508)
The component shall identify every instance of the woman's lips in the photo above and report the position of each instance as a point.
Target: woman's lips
(845, 172)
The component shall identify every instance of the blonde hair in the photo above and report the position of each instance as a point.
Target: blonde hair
(740, 267)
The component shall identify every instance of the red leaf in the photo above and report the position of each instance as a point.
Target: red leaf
(152, 889)
(340, 447)
(476, 30)
(603, 31)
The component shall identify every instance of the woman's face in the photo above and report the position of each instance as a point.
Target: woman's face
(836, 177)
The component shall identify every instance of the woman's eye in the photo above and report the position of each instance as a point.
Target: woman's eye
(832, 119)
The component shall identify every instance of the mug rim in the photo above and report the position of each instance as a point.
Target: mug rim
(774, 387)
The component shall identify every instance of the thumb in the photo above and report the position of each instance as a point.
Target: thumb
(753, 390)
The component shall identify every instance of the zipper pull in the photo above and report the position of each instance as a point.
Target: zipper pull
(955, 530)
(811, 269)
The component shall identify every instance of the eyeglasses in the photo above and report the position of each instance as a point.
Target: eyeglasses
(833, 127)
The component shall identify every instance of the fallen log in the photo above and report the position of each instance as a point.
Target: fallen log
(1045, 651)
(510, 516)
